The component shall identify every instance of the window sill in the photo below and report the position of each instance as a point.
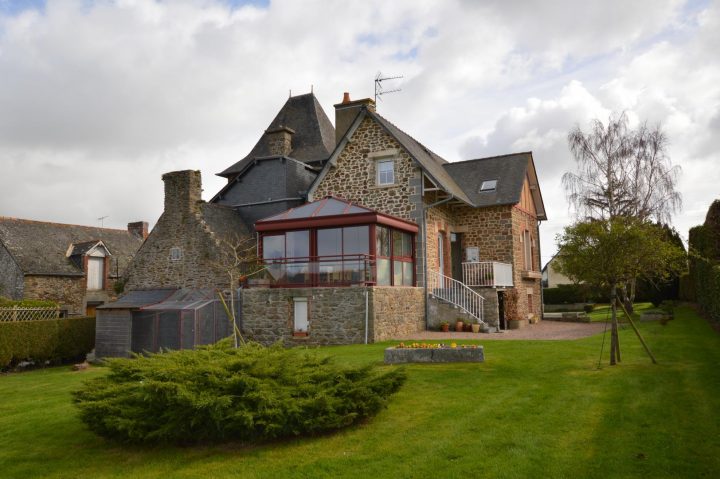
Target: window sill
(380, 187)
(300, 335)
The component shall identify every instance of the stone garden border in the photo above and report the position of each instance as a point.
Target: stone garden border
(434, 355)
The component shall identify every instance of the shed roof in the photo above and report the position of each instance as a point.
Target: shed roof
(139, 298)
(313, 140)
(41, 248)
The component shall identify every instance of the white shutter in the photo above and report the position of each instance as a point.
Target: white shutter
(301, 314)
(95, 273)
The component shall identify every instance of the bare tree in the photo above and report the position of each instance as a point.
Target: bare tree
(238, 259)
(622, 172)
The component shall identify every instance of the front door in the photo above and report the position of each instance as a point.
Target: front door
(501, 310)
(456, 255)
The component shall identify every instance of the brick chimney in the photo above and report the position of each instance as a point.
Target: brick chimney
(138, 229)
(280, 140)
(346, 111)
(183, 190)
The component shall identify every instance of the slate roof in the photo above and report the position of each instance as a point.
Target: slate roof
(313, 140)
(139, 298)
(510, 172)
(41, 248)
(224, 221)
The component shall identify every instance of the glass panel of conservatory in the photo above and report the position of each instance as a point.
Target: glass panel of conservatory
(329, 242)
(273, 246)
(382, 241)
(407, 274)
(397, 273)
(356, 240)
(383, 272)
(297, 244)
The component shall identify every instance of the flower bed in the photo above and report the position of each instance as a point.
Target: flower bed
(434, 353)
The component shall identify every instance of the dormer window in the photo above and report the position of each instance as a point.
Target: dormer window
(488, 185)
(385, 172)
(175, 253)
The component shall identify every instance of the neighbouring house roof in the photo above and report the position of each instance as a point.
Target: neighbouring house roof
(313, 140)
(330, 211)
(79, 249)
(510, 171)
(41, 248)
(185, 299)
(139, 298)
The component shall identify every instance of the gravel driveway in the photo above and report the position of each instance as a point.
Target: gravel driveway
(543, 330)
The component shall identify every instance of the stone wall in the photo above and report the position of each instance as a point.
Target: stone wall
(522, 221)
(396, 312)
(335, 315)
(180, 226)
(11, 277)
(69, 291)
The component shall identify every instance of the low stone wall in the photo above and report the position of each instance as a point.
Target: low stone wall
(396, 312)
(434, 355)
(335, 315)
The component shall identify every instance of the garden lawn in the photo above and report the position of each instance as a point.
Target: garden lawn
(602, 312)
(532, 409)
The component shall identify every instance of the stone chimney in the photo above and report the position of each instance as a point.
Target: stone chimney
(346, 112)
(280, 140)
(183, 190)
(139, 229)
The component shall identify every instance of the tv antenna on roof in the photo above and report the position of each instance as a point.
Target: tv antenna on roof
(379, 92)
(102, 220)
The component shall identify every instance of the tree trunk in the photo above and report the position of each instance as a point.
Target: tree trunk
(614, 347)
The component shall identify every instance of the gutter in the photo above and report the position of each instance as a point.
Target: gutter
(425, 242)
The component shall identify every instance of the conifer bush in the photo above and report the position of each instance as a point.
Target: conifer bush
(217, 393)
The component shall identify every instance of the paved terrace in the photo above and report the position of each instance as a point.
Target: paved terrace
(545, 330)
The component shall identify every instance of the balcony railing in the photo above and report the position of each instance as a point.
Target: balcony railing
(487, 274)
(344, 270)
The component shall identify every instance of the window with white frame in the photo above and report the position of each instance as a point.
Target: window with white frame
(175, 253)
(386, 172)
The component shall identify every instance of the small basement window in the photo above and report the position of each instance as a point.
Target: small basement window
(175, 253)
(488, 185)
(385, 172)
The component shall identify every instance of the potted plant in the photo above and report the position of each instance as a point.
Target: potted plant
(474, 326)
(444, 326)
(510, 302)
(459, 325)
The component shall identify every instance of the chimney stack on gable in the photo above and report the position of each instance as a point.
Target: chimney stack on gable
(183, 191)
(347, 111)
(138, 229)
(280, 140)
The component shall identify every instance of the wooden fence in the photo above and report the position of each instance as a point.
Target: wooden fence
(17, 313)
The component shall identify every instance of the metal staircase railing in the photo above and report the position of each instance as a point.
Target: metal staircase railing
(456, 293)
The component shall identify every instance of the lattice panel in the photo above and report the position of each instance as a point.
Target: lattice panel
(28, 314)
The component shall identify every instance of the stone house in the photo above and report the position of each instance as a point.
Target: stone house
(365, 235)
(476, 236)
(186, 253)
(76, 266)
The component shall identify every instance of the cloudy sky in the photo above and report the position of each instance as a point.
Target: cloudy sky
(99, 98)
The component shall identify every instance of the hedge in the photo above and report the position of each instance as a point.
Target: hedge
(27, 303)
(705, 262)
(54, 340)
(569, 294)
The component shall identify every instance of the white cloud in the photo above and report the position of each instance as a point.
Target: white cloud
(97, 100)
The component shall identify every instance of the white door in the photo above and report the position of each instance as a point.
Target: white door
(95, 273)
(301, 314)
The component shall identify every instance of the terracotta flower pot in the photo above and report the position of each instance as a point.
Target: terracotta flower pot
(444, 328)
(459, 326)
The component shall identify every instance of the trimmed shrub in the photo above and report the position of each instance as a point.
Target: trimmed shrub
(705, 262)
(589, 308)
(216, 393)
(27, 303)
(55, 340)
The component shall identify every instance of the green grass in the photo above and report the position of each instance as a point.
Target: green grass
(533, 409)
(602, 312)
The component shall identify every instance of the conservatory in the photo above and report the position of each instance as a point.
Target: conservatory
(332, 242)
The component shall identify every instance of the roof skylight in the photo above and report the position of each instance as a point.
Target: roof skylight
(488, 185)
